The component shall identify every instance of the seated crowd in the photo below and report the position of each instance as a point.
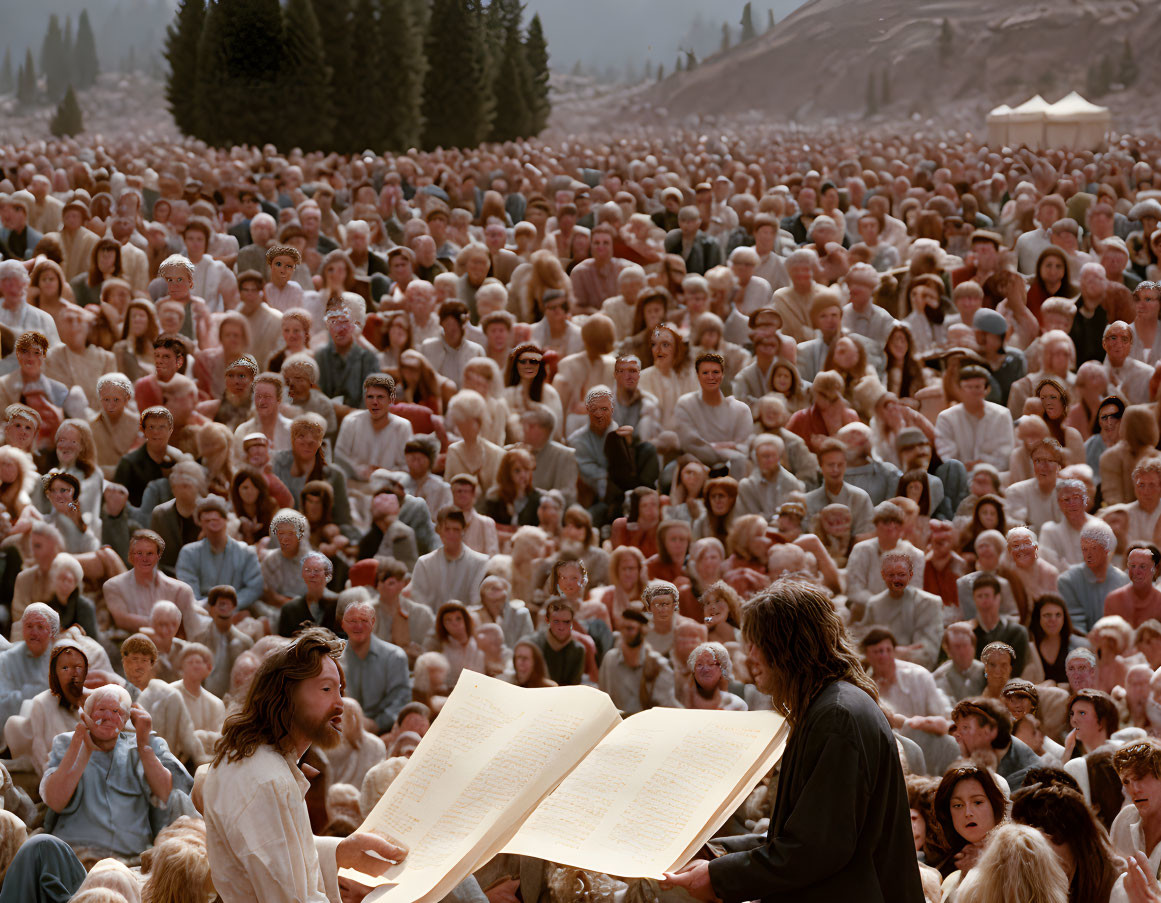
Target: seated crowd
(553, 418)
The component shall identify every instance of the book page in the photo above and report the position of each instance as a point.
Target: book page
(653, 791)
(490, 757)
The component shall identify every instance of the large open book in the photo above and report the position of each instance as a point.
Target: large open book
(557, 775)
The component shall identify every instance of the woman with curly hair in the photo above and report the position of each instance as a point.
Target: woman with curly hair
(723, 612)
(968, 806)
(253, 505)
(527, 385)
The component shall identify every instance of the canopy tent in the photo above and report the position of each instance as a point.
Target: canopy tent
(998, 125)
(1026, 123)
(1071, 122)
(1076, 123)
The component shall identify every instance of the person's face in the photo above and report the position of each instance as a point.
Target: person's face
(569, 580)
(922, 297)
(305, 445)
(987, 602)
(896, 576)
(195, 244)
(71, 671)
(828, 321)
(719, 502)
(834, 466)
(31, 361)
(881, 656)
(1148, 303)
(195, 668)
(37, 634)
(452, 535)
(1141, 569)
(138, 667)
(453, 623)
(716, 611)
(317, 703)
(707, 672)
(108, 720)
(1109, 419)
(212, 523)
(342, 330)
(166, 363)
(1052, 270)
(1046, 468)
(166, 627)
(522, 662)
(315, 575)
(888, 533)
(961, 650)
(61, 494)
(359, 624)
(287, 538)
(709, 376)
(1081, 674)
(1116, 343)
(1094, 553)
(600, 414)
(974, 735)
(560, 624)
(1052, 619)
(1083, 717)
(1145, 792)
(971, 812)
(601, 246)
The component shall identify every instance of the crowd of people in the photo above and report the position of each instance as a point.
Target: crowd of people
(554, 413)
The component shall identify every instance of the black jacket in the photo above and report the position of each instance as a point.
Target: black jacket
(704, 253)
(841, 828)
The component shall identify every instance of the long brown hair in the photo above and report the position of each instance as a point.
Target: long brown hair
(804, 643)
(268, 713)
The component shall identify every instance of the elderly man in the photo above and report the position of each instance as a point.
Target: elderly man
(975, 430)
(82, 810)
(343, 363)
(709, 669)
(115, 425)
(865, 562)
(832, 459)
(219, 560)
(373, 437)
(225, 641)
(376, 672)
(611, 459)
(1128, 377)
(451, 572)
(1060, 534)
(171, 720)
(771, 483)
(130, 597)
(318, 605)
(1034, 501)
(1140, 600)
(555, 462)
(880, 479)
(282, 566)
(1145, 511)
(915, 617)
(711, 426)
(962, 675)
(914, 697)
(15, 311)
(1085, 585)
(175, 521)
(634, 674)
(24, 666)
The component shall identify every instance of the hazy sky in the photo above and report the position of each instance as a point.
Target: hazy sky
(610, 32)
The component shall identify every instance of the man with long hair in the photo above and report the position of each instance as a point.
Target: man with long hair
(841, 829)
(258, 834)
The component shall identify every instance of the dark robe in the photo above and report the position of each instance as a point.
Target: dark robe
(841, 828)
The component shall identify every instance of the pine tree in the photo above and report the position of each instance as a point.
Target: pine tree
(251, 45)
(7, 80)
(872, 96)
(679, 66)
(512, 80)
(85, 53)
(403, 75)
(748, 32)
(334, 21)
(212, 79)
(54, 60)
(68, 120)
(364, 129)
(27, 88)
(690, 60)
(725, 37)
(455, 86)
(68, 57)
(885, 89)
(946, 42)
(304, 94)
(769, 20)
(181, 52)
(536, 53)
(1127, 70)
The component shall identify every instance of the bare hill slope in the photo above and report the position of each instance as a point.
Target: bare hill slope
(816, 63)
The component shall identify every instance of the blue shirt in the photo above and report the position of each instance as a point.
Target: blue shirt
(22, 676)
(199, 566)
(380, 682)
(1085, 597)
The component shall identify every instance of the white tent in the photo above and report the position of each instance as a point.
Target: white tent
(1075, 123)
(1026, 123)
(998, 126)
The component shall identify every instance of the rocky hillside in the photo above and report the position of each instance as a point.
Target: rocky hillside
(816, 63)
